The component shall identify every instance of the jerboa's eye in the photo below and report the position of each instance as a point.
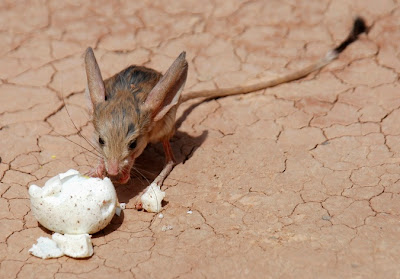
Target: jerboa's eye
(132, 144)
(101, 141)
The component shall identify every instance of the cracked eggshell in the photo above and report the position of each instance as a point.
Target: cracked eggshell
(46, 248)
(74, 245)
(70, 203)
(152, 198)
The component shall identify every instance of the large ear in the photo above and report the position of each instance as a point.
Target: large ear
(95, 81)
(167, 91)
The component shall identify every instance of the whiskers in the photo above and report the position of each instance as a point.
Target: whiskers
(95, 153)
(150, 175)
(98, 154)
(138, 173)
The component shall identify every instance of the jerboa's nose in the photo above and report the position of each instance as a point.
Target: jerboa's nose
(113, 167)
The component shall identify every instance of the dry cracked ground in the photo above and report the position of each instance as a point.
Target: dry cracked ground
(297, 181)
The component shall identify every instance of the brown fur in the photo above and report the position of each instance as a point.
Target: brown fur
(120, 120)
(130, 109)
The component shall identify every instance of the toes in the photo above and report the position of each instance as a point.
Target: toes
(139, 205)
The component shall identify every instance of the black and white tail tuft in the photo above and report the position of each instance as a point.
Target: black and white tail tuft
(359, 27)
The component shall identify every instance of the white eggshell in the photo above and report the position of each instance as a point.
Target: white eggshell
(70, 203)
(152, 198)
(46, 248)
(74, 245)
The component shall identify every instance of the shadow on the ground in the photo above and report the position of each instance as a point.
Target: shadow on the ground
(188, 110)
(152, 161)
(115, 223)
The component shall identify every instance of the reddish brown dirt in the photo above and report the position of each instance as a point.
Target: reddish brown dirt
(298, 181)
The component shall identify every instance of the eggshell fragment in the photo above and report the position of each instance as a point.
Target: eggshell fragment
(152, 198)
(46, 248)
(73, 245)
(70, 203)
(119, 208)
(76, 246)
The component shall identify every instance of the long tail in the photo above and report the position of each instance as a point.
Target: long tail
(359, 27)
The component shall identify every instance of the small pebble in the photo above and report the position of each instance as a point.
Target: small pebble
(189, 212)
(167, 228)
(160, 215)
(326, 217)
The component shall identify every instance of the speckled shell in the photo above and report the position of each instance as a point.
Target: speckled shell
(70, 203)
(152, 198)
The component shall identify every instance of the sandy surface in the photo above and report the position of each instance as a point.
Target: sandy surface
(298, 181)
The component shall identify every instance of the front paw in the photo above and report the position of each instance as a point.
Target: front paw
(93, 173)
(98, 171)
(138, 204)
(138, 200)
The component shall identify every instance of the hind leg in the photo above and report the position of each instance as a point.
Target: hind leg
(170, 163)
